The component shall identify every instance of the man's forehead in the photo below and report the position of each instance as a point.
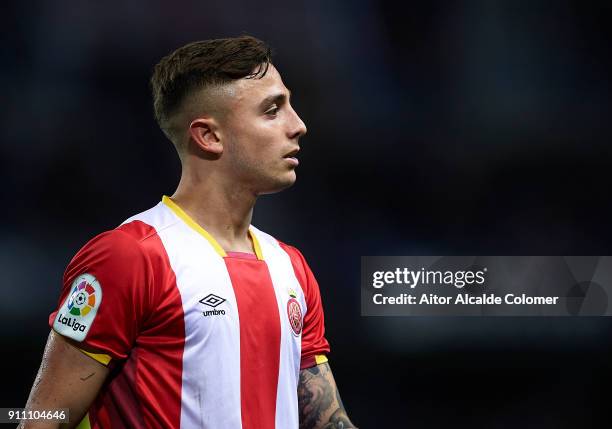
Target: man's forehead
(270, 83)
(228, 97)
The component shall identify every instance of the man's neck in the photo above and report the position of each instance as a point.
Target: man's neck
(224, 210)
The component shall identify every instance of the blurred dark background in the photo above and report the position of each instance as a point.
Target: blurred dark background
(460, 127)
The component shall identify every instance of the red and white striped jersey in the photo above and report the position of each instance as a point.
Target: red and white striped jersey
(195, 337)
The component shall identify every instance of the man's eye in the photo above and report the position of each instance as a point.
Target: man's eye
(272, 110)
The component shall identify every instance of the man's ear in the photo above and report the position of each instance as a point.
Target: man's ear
(204, 133)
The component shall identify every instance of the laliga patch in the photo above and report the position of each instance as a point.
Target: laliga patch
(76, 315)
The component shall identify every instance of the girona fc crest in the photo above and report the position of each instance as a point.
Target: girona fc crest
(294, 312)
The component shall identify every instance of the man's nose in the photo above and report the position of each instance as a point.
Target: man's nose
(298, 128)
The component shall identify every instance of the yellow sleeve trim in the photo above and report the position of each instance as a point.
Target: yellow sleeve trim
(100, 357)
(193, 224)
(319, 359)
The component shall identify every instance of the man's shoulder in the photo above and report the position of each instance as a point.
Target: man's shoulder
(149, 222)
(296, 257)
(262, 235)
(120, 243)
(128, 238)
(266, 238)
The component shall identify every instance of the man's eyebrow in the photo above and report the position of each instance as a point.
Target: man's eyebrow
(276, 98)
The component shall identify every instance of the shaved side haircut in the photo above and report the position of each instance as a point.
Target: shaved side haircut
(197, 71)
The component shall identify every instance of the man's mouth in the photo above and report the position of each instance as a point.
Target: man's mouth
(291, 157)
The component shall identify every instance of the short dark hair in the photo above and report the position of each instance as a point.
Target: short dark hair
(205, 63)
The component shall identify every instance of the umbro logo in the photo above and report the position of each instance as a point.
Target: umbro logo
(213, 301)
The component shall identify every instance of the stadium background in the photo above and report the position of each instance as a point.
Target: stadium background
(475, 127)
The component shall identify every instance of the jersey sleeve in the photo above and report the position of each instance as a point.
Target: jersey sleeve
(314, 344)
(103, 301)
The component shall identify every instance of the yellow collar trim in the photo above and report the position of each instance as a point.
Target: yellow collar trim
(194, 225)
(256, 245)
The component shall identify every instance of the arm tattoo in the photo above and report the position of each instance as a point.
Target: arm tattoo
(319, 402)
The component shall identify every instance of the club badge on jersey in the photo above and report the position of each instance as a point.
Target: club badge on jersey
(294, 313)
(79, 310)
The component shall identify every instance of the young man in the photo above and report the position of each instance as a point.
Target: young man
(186, 315)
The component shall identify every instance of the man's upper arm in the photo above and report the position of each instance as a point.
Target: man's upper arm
(103, 303)
(105, 295)
(314, 343)
(319, 401)
(67, 378)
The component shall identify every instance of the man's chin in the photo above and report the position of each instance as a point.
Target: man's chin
(280, 184)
